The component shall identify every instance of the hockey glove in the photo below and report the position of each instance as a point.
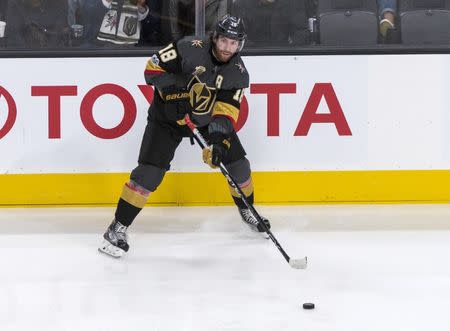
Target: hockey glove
(217, 151)
(177, 110)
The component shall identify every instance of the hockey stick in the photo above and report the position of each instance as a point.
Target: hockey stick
(294, 263)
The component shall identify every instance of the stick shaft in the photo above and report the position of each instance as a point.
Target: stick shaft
(203, 144)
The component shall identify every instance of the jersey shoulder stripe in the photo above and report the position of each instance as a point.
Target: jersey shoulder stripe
(152, 67)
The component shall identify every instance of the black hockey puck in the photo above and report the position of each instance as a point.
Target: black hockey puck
(308, 305)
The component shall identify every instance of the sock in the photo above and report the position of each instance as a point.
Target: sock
(247, 189)
(131, 202)
(240, 204)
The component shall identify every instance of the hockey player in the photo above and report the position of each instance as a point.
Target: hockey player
(204, 78)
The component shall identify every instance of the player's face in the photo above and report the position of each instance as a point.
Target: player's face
(225, 48)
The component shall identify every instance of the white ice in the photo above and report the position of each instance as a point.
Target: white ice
(381, 267)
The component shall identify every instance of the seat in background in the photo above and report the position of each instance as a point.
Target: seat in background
(348, 22)
(425, 21)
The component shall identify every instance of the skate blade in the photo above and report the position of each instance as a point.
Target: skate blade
(109, 249)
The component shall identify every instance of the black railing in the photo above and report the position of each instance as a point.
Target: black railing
(249, 51)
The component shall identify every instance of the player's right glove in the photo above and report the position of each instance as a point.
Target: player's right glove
(176, 103)
(176, 111)
(217, 151)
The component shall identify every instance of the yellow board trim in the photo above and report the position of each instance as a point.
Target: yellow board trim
(210, 188)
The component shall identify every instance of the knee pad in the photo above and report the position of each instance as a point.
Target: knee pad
(241, 172)
(148, 176)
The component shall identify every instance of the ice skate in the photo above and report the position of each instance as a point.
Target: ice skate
(115, 240)
(252, 222)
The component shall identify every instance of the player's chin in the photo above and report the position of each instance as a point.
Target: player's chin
(224, 56)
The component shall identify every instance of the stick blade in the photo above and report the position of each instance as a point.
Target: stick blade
(299, 263)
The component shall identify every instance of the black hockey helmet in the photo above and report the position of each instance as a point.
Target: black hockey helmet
(231, 27)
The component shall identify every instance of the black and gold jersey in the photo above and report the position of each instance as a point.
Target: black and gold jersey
(187, 69)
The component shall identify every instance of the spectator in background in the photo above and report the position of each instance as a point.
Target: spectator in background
(182, 16)
(387, 10)
(74, 11)
(89, 14)
(151, 24)
(121, 24)
(274, 22)
(74, 20)
(108, 22)
(37, 23)
(3, 6)
(311, 8)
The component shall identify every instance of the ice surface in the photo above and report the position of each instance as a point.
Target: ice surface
(381, 267)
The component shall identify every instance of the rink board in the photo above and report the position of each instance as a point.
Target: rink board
(316, 129)
(211, 188)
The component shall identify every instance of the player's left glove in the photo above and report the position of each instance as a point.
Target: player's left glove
(217, 151)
